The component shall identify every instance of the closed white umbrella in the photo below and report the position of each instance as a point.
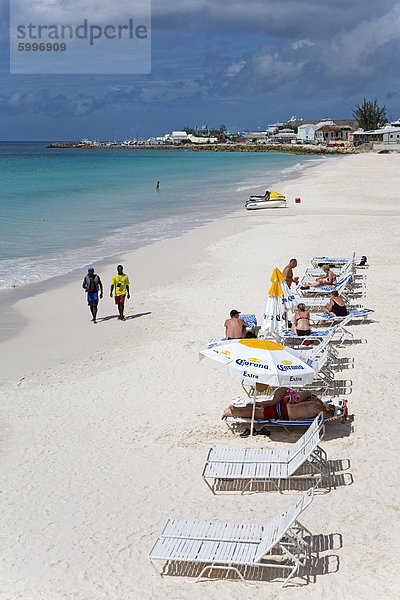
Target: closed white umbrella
(279, 301)
(289, 298)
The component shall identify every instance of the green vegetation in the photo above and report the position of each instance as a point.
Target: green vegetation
(369, 115)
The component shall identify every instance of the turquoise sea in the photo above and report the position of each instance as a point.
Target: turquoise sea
(64, 209)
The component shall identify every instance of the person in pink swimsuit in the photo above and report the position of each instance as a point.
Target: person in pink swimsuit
(307, 406)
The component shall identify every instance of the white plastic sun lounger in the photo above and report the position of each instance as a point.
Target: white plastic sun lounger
(251, 321)
(236, 547)
(360, 314)
(337, 332)
(340, 407)
(274, 466)
(343, 285)
(311, 274)
(318, 261)
(312, 303)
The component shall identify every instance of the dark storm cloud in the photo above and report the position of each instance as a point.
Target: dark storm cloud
(43, 102)
(213, 53)
(285, 19)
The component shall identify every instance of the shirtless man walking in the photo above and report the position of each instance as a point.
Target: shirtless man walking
(288, 272)
(235, 328)
(92, 286)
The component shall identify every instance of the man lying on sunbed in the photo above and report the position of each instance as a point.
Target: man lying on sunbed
(285, 405)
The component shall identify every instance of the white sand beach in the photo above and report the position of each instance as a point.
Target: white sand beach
(105, 428)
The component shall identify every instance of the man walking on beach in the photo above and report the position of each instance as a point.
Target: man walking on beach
(235, 328)
(120, 282)
(288, 272)
(92, 285)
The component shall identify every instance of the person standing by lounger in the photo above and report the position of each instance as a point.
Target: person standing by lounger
(92, 286)
(120, 282)
(288, 272)
(235, 328)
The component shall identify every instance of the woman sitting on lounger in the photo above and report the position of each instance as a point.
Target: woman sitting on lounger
(285, 405)
(301, 321)
(336, 306)
(328, 279)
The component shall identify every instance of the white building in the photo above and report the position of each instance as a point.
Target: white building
(388, 134)
(285, 135)
(179, 136)
(255, 135)
(306, 133)
(196, 139)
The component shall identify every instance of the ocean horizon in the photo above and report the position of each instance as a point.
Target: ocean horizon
(62, 209)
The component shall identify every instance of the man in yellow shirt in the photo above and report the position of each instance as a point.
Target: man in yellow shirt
(120, 282)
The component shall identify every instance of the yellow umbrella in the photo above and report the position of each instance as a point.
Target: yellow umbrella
(277, 278)
(280, 300)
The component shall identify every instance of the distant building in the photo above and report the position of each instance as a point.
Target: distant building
(331, 134)
(179, 136)
(326, 121)
(255, 135)
(388, 134)
(306, 133)
(284, 135)
(195, 139)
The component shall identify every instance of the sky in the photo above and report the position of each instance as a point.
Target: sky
(242, 63)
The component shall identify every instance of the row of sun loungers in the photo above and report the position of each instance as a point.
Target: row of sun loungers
(282, 544)
(318, 261)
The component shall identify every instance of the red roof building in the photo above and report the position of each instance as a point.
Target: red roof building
(332, 133)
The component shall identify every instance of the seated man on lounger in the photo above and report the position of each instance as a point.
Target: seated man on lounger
(285, 405)
(235, 328)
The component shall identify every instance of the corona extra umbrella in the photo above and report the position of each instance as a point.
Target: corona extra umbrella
(261, 361)
(279, 301)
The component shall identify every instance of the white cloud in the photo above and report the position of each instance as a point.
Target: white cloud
(299, 44)
(235, 68)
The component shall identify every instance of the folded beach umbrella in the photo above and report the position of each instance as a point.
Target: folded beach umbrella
(280, 300)
(288, 297)
(261, 361)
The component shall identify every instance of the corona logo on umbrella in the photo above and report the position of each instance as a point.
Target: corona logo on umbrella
(270, 362)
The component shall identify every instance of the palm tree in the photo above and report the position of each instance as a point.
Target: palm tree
(369, 115)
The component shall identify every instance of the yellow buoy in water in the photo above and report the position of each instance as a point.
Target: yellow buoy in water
(42, 219)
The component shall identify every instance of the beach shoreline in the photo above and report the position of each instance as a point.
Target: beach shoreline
(106, 427)
(11, 323)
